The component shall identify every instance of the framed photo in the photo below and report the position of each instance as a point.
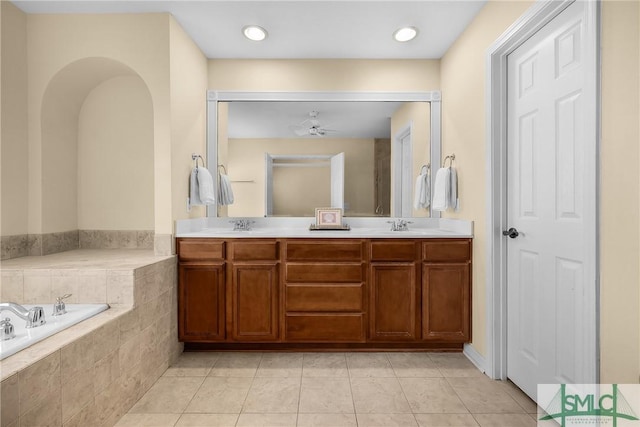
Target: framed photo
(328, 217)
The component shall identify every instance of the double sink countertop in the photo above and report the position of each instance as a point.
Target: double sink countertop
(299, 227)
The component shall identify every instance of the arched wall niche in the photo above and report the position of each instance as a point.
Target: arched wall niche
(97, 156)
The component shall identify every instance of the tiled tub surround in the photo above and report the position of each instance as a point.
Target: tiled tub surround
(23, 245)
(93, 372)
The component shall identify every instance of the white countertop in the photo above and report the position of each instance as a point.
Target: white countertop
(372, 228)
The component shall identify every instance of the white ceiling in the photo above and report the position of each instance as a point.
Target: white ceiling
(302, 28)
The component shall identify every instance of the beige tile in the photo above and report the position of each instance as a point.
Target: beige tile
(130, 324)
(49, 414)
(64, 282)
(77, 357)
(519, 396)
(413, 365)
(369, 365)
(92, 286)
(455, 365)
(220, 395)
(386, 420)
(326, 395)
(236, 365)
(168, 395)
(106, 371)
(327, 420)
(119, 288)
(324, 365)
(129, 354)
(273, 395)
(110, 403)
(192, 365)
(106, 339)
(131, 385)
(378, 395)
(431, 396)
(37, 286)
(446, 420)
(266, 420)
(280, 365)
(12, 289)
(40, 383)
(505, 420)
(483, 396)
(86, 417)
(10, 400)
(207, 420)
(148, 420)
(76, 394)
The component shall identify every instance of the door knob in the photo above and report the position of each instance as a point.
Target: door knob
(512, 232)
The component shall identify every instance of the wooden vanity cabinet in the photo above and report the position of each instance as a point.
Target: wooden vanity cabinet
(394, 272)
(446, 290)
(201, 290)
(253, 303)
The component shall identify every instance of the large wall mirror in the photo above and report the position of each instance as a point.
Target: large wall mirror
(287, 153)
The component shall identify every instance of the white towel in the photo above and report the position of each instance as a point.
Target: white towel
(194, 190)
(441, 191)
(205, 186)
(422, 195)
(226, 193)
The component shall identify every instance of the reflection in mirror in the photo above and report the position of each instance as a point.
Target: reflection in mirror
(279, 155)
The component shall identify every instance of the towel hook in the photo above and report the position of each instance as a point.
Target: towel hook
(425, 168)
(195, 158)
(451, 158)
(223, 168)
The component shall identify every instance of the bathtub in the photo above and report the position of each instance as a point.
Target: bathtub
(24, 338)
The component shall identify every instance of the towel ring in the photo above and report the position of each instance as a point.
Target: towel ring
(223, 168)
(451, 158)
(195, 158)
(425, 168)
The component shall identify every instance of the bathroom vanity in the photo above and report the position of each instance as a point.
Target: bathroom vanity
(362, 289)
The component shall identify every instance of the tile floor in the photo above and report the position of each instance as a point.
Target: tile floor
(331, 390)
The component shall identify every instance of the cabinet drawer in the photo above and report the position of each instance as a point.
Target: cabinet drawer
(324, 273)
(325, 327)
(393, 251)
(254, 250)
(324, 297)
(200, 249)
(336, 250)
(446, 251)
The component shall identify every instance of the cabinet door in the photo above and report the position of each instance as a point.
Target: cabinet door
(201, 303)
(393, 301)
(446, 302)
(255, 301)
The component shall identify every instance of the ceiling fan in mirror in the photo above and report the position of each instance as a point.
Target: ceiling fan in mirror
(311, 126)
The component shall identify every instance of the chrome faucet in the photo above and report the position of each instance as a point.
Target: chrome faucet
(34, 316)
(6, 330)
(59, 307)
(242, 224)
(400, 225)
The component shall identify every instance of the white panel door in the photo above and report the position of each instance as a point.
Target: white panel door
(551, 204)
(337, 181)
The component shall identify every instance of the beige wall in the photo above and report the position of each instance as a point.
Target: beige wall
(620, 193)
(115, 146)
(463, 84)
(65, 52)
(418, 115)
(463, 133)
(246, 162)
(13, 120)
(324, 75)
(188, 71)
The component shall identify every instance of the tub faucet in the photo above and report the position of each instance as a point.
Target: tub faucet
(33, 316)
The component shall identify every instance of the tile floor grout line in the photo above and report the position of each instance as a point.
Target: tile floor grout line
(255, 374)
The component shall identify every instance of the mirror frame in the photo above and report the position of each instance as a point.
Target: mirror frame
(213, 97)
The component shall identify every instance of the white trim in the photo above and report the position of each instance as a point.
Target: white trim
(399, 159)
(476, 358)
(213, 97)
(496, 61)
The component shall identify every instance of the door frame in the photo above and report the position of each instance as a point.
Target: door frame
(495, 364)
(399, 159)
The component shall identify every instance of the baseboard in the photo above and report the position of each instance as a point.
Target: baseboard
(475, 357)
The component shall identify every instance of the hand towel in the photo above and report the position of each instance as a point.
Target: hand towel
(441, 191)
(422, 194)
(453, 189)
(226, 193)
(194, 190)
(205, 186)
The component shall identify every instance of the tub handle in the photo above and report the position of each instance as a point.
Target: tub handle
(59, 307)
(7, 332)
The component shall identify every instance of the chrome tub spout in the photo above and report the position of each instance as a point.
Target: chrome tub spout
(33, 316)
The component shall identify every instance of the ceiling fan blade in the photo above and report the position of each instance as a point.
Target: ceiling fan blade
(299, 130)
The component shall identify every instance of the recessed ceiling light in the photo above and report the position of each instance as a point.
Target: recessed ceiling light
(405, 34)
(254, 32)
